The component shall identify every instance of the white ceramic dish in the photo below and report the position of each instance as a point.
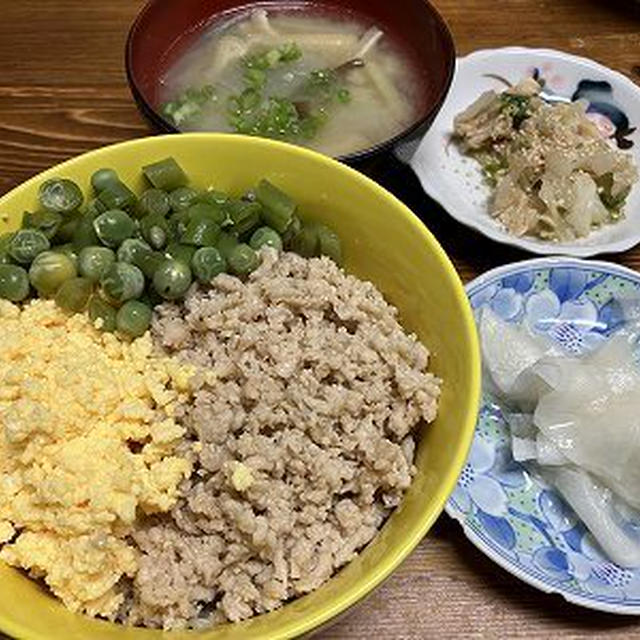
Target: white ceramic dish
(455, 181)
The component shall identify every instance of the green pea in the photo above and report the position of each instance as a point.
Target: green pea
(46, 221)
(122, 281)
(155, 230)
(60, 195)
(201, 233)
(133, 318)
(68, 250)
(202, 210)
(182, 197)
(113, 227)
(226, 243)
(172, 279)
(84, 235)
(207, 263)
(103, 178)
(14, 283)
(102, 313)
(329, 243)
(93, 262)
(26, 244)
(149, 263)
(153, 201)
(265, 236)
(243, 260)
(73, 294)
(132, 250)
(182, 252)
(49, 270)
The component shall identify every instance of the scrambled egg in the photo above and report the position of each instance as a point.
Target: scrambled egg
(87, 443)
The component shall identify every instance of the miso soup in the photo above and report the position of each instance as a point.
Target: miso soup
(331, 83)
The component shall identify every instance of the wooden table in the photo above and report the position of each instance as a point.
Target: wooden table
(63, 91)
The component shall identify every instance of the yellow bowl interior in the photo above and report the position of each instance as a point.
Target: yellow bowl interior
(383, 242)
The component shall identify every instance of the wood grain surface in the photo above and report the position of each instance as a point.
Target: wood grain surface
(63, 91)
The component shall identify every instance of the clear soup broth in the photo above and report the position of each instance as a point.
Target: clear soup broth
(332, 83)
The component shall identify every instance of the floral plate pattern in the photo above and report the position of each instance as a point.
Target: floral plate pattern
(512, 516)
(456, 181)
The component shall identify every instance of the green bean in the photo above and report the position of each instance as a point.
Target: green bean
(165, 174)
(113, 227)
(93, 262)
(305, 242)
(60, 195)
(213, 197)
(5, 240)
(153, 202)
(172, 279)
(132, 250)
(182, 198)
(73, 295)
(49, 270)
(292, 231)
(102, 313)
(84, 235)
(226, 243)
(149, 263)
(202, 210)
(278, 207)
(182, 252)
(122, 281)
(177, 223)
(329, 243)
(67, 227)
(207, 263)
(265, 236)
(117, 196)
(46, 221)
(68, 250)
(201, 233)
(95, 207)
(26, 244)
(14, 283)
(133, 318)
(243, 260)
(155, 230)
(103, 178)
(244, 215)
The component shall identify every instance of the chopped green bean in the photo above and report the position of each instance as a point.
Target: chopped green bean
(182, 252)
(132, 250)
(216, 198)
(201, 233)
(265, 236)
(165, 174)
(244, 215)
(118, 196)
(102, 314)
(201, 210)
(49, 270)
(226, 243)
(68, 227)
(182, 198)
(133, 318)
(14, 283)
(95, 207)
(154, 202)
(103, 178)
(207, 263)
(26, 244)
(329, 243)
(84, 235)
(46, 221)
(149, 263)
(93, 262)
(60, 195)
(278, 207)
(292, 231)
(305, 242)
(73, 294)
(122, 281)
(243, 260)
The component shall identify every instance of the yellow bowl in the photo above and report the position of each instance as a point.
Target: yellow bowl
(383, 242)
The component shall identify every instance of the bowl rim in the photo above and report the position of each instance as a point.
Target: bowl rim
(163, 125)
(493, 553)
(412, 535)
(484, 225)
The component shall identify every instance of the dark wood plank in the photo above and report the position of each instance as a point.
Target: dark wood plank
(63, 91)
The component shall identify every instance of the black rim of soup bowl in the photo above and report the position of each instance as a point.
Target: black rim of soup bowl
(358, 158)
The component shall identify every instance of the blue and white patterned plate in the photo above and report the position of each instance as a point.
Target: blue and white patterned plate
(509, 514)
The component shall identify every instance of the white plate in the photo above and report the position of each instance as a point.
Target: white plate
(456, 182)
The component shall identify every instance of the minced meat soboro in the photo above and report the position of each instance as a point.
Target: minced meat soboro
(303, 418)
